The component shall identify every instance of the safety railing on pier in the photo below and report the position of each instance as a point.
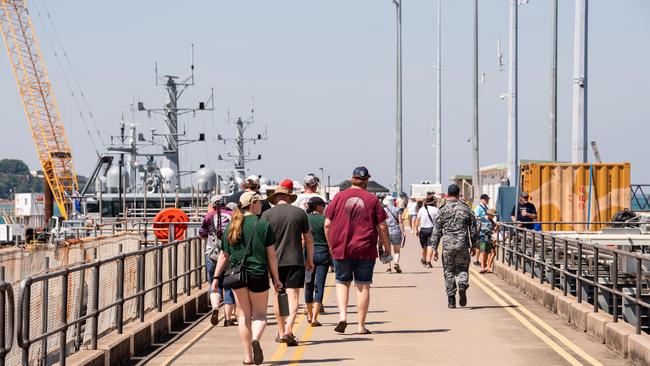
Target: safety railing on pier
(640, 197)
(70, 308)
(611, 278)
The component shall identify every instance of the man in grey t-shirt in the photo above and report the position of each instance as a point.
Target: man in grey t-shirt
(290, 225)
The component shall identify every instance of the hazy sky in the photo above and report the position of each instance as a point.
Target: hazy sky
(323, 78)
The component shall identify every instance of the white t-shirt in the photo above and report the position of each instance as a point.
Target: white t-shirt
(412, 208)
(303, 198)
(425, 221)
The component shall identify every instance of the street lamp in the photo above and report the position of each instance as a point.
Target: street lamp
(398, 153)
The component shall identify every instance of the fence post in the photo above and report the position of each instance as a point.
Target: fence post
(4, 316)
(175, 272)
(637, 306)
(187, 267)
(170, 272)
(595, 279)
(82, 278)
(45, 299)
(615, 287)
(159, 278)
(553, 263)
(64, 317)
(94, 327)
(119, 296)
(579, 274)
(523, 251)
(543, 267)
(532, 256)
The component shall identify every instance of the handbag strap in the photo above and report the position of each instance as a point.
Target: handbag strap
(391, 213)
(248, 244)
(428, 214)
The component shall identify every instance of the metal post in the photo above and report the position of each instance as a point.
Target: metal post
(142, 286)
(553, 104)
(637, 303)
(579, 125)
(119, 297)
(523, 251)
(615, 287)
(565, 277)
(186, 264)
(398, 133)
(80, 293)
(543, 266)
(170, 271)
(159, 278)
(438, 130)
(579, 274)
(94, 321)
(175, 273)
(595, 280)
(553, 263)
(45, 299)
(476, 178)
(3, 311)
(532, 256)
(63, 317)
(513, 126)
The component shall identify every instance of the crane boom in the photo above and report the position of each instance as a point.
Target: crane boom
(40, 106)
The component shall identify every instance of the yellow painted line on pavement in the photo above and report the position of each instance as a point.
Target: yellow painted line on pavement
(297, 355)
(542, 323)
(554, 346)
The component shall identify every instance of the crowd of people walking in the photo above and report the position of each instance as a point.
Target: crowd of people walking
(295, 239)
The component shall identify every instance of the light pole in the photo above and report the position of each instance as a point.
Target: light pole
(513, 128)
(579, 123)
(476, 180)
(398, 148)
(553, 104)
(439, 101)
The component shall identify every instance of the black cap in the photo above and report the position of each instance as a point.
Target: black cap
(316, 201)
(453, 190)
(485, 197)
(361, 172)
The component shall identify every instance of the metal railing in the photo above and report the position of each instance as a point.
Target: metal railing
(129, 285)
(7, 311)
(640, 199)
(611, 279)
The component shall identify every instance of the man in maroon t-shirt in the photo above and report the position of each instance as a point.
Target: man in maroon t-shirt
(354, 221)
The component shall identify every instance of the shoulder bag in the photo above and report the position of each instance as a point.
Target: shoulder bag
(216, 237)
(235, 277)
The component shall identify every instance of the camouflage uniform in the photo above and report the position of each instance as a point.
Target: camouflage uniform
(456, 228)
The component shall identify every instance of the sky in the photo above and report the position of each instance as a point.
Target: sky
(323, 78)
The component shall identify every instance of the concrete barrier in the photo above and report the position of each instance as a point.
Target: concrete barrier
(638, 348)
(116, 348)
(176, 315)
(563, 307)
(189, 308)
(578, 315)
(139, 336)
(616, 337)
(596, 323)
(86, 358)
(159, 325)
(203, 301)
(550, 299)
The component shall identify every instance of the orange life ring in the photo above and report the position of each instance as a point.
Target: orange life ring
(169, 216)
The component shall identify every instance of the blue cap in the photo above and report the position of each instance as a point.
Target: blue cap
(361, 172)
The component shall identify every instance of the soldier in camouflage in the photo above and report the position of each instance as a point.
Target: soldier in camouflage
(456, 228)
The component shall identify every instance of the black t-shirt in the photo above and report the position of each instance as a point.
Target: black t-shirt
(236, 196)
(530, 208)
(288, 223)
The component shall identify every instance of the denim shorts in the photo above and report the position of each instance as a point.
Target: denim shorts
(227, 295)
(359, 270)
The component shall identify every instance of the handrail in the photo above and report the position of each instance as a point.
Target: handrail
(533, 250)
(193, 265)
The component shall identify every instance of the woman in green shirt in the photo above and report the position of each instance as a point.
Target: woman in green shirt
(252, 299)
(315, 283)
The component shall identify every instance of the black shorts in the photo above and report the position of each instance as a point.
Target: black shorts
(292, 276)
(257, 283)
(425, 236)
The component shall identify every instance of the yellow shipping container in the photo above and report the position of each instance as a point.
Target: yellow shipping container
(576, 192)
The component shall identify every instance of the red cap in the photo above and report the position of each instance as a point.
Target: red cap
(288, 184)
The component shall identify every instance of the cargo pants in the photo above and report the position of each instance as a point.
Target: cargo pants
(455, 262)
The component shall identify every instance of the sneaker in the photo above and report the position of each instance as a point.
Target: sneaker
(423, 262)
(462, 292)
(290, 340)
(388, 270)
(451, 302)
(429, 265)
(214, 318)
(278, 339)
(397, 268)
(477, 263)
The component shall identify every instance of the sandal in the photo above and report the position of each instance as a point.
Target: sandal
(214, 318)
(316, 324)
(363, 332)
(247, 363)
(258, 356)
(398, 269)
(340, 327)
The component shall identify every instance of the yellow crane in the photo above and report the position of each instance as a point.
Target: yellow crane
(40, 106)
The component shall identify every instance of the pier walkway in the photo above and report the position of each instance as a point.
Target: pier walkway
(411, 325)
